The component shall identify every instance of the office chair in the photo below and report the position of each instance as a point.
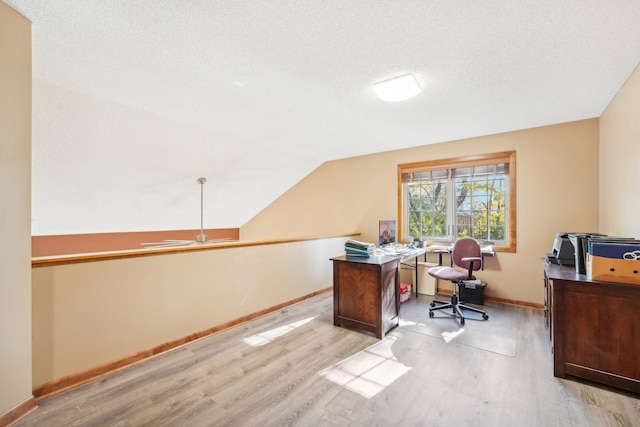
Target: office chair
(465, 254)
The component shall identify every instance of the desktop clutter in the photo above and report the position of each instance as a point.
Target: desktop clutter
(471, 291)
(355, 248)
(598, 256)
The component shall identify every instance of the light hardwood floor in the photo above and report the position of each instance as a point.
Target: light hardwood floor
(295, 368)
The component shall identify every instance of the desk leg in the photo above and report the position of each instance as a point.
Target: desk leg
(416, 281)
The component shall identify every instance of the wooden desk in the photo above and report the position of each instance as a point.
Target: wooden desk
(366, 293)
(594, 328)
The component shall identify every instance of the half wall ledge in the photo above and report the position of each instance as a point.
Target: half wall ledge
(49, 261)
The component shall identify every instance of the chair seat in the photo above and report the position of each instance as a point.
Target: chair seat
(449, 273)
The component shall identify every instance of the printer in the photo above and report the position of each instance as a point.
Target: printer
(562, 252)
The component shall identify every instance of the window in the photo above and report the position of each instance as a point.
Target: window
(448, 199)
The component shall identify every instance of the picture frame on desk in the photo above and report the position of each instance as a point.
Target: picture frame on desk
(386, 232)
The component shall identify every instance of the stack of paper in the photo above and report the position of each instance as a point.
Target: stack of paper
(356, 248)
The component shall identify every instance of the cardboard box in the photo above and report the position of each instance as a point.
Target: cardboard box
(613, 270)
(405, 292)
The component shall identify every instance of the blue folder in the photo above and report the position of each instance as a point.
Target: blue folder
(616, 250)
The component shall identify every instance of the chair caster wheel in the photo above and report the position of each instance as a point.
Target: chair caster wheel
(433, 304)
(462, 322)
(431, 314)
(485, 316)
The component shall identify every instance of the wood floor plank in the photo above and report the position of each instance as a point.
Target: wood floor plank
(293, 367)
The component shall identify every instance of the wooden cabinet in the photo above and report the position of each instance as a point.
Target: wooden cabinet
(594, 328)
(548, 315)
(366, 293)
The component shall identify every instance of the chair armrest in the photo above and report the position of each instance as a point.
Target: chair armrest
(471, 260)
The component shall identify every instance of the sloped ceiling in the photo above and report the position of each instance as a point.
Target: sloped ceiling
(135, 100)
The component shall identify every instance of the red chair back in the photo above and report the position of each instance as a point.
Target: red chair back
(463, 248)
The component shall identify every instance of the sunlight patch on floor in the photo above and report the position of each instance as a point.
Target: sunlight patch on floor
(405, 322)
(269, 336)
(369, 371)
(450, 336)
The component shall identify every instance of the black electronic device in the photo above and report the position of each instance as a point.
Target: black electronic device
(562, 252)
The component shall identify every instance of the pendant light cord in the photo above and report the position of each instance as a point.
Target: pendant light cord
(201, 238)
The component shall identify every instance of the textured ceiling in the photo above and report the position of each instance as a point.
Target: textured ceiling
(134, 100)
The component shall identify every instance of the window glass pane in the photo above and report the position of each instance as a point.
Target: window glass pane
(427, 209)
(463, 228)
(440, 226)
(484, 208)
(479, 202)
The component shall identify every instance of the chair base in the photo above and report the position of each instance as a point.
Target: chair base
(456, 307)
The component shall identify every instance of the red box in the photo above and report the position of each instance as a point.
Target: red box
(405, 292)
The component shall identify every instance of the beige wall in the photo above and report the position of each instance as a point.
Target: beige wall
(557, 190)
(619, 154)
(15, 208)
(87, 315)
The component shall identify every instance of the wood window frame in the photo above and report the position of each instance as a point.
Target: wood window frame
(456, 162)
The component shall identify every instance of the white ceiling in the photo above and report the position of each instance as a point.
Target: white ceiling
(134, 100)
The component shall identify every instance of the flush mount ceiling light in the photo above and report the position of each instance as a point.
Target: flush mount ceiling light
(397, 89)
